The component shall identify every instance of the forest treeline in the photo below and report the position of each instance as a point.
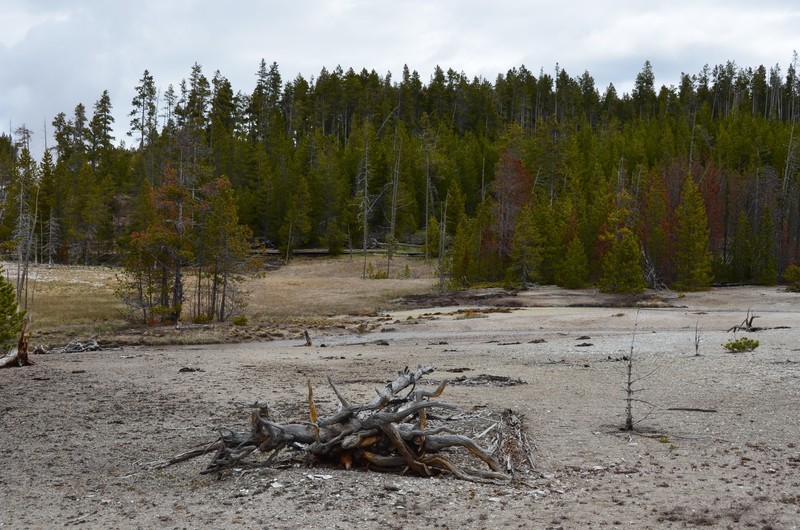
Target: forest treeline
(531, 178)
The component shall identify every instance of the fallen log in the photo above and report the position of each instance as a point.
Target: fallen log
(389, 433)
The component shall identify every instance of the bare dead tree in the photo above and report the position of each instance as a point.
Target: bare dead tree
(52, 232)
(629, 391)
(392, 238)
(651, 276)
(697, 338)
(365, 202)
(442, 241)
(631, 381)
(428, 191)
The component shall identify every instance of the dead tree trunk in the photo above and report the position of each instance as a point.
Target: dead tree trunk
(18, 356)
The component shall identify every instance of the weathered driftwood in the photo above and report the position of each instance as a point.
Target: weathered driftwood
(747, 324)
(389, 433)
(18, 356)
(72, 346)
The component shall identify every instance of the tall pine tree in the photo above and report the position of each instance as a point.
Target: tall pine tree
(526, 254)
(692, 254)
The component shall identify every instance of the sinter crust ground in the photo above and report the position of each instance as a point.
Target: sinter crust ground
(80, 432)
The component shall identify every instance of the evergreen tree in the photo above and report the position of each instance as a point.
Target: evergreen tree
(221, 246)
(194, 112)
(482, 148)
(334, 238)
(81, 136)
(526, 247)
(765, 270)
(464, 254)
(692, 254)
(47, 206)
(10, 316)
(144, 113)
(742, 250)
(655, 228)
(574, 270)
(297, 223)
(792, 278)
(100, 128)
(456, 207)
(550, 224)
(432, 244)
(170, 103)
(469, 259)
(644, 94)
(158, 251)
(622, 266)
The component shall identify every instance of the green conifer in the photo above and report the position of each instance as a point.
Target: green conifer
(431, 247)
(742, 251)
(622, 266)
(574, 273)
(765, 268)
(692, 254)
(10, 315)
(526, 253)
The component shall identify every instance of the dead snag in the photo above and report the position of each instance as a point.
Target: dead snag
(389, 433)
(18, 356)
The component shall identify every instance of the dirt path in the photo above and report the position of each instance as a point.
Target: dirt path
(79, 431)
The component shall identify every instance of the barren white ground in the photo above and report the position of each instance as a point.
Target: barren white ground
(79, 432)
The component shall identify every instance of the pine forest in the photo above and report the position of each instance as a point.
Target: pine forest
(535, 177)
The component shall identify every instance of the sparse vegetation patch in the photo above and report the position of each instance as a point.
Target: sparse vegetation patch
(743, 344)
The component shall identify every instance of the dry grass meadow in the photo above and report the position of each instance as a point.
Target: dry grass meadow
(79, 303)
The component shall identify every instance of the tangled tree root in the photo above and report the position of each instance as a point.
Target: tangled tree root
(390, 433)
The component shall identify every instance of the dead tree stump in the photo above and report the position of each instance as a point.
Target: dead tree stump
(389, 433)
(18, 356)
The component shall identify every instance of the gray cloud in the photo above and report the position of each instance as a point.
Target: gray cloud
(54, 55)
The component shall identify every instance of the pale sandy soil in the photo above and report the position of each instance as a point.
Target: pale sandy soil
(80, 432)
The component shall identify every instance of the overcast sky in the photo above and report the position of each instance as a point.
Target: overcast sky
(55, 54)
